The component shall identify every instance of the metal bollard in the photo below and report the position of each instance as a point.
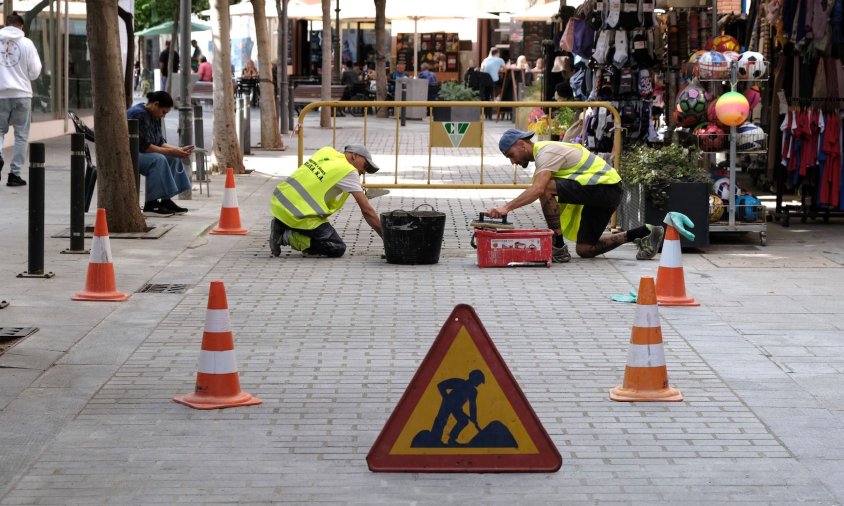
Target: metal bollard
(199, 142)
(403, 99)
(238, 122)
(36, 213)
(247, 127)
(77, 194)
(291, 110)
(134, 147)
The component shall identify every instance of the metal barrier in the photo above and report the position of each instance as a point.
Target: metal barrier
(399, 105)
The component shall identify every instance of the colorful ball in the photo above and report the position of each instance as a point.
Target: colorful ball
(752, 65)
(750, 137)
(711, 139)
(716, 208)
(691, 106)
(713, 65)
(732, 108)
(725, 43)
(722, 188)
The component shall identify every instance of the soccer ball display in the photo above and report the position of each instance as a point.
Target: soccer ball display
(752, 65)
(691, 106)
(710, 138)
(750, 137)
(713, 65)
(725, 43)
(716, 208)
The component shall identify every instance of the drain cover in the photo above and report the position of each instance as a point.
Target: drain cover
(163, 288)
(16, 332)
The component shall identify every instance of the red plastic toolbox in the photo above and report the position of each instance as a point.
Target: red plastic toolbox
(502, 248)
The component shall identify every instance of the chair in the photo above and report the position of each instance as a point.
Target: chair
(485, 90)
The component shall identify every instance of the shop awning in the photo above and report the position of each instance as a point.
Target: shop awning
(166, 28)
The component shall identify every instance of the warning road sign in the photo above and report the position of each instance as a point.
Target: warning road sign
(463, 411)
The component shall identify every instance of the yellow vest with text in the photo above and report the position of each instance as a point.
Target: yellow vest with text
(299, 202)
(591, 169)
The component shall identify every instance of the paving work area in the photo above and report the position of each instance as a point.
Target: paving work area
(330, 346)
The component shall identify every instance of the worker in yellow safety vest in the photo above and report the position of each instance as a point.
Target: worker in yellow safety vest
(302, 203)
(578, 192)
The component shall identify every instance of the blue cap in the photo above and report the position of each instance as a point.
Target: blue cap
(510, 137)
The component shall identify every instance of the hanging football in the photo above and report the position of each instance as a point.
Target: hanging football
(713, 65)
(750, 137)
(691, 106)
(732, 108)
(710, 138)
(725, 43)
(752, 65)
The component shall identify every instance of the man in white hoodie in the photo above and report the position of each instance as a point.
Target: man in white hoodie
(19, 65)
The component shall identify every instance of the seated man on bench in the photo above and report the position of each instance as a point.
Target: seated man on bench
(159, 162)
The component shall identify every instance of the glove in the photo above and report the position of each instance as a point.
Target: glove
(680, 221)
(633, 297)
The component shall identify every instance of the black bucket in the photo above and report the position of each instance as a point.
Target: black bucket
(413, 237)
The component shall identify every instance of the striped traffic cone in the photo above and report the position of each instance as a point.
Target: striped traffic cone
(645, 375)
(670, 280)
(100, 284)
(229, 223)
(217, 380)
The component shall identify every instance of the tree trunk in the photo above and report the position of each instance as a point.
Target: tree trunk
(380, 56)
(325, 95)
(270, 137)
(226, 145)
(127, 18)
(116, 190)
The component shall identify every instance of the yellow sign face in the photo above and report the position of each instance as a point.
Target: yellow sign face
(455, 134)
(462, 358)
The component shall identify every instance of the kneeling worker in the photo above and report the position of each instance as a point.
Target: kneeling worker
(302, 204)
(578, 192)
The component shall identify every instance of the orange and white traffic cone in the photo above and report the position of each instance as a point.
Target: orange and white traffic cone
(670, 280)
(229, 223)
(645, 375)
(217, 380)
(100, 284)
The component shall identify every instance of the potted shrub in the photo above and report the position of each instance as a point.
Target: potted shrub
(658, 180)
(551, 127)
(452, 91)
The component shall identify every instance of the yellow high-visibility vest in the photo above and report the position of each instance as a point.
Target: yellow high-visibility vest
(591, 169)
(299, 202)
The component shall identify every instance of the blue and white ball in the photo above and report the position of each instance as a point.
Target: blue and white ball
(722, 188)
(750, 137)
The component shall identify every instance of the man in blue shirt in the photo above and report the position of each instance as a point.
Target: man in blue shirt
(492, 65)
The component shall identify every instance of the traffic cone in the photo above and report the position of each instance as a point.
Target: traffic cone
(217, 380)
(100, 285)
(229, 223)
(645, 375)
(670, 280)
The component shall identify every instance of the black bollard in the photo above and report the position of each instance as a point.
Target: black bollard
(36, 213)
(134, 148)
(238, 122)
(77, 194)
(247, 127)
(403, 99)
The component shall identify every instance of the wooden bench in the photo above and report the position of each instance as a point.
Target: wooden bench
(305, 94)
(202, 90)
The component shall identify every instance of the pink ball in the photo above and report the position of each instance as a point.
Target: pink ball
(732, 108)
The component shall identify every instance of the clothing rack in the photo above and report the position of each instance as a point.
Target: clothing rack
(810, 209)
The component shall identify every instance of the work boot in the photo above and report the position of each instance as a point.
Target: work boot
(15, 180)
(279, 236)
(560, 255)
(649, 244)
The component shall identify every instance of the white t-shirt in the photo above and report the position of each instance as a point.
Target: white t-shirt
(557, 156)
(349, 184)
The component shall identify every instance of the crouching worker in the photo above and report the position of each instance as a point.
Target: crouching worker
(159, 162)
(578, 192)
(302, 204)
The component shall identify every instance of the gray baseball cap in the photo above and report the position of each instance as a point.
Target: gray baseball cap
(371, 168)
(510, 137)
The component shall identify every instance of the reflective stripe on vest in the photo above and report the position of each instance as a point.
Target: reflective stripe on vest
(590, 170)
(300, 201)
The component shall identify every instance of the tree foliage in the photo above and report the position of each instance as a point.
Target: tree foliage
(154, 12)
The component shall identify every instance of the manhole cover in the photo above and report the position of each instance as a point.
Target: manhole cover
(163, 288)
(7, 333)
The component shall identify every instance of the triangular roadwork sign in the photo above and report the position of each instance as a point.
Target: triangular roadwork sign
(463, 412)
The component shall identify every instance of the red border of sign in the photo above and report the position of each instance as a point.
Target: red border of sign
(547, 459)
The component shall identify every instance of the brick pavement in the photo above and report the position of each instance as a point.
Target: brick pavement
(757, 363)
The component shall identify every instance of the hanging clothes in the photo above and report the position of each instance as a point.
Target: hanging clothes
(830, 179)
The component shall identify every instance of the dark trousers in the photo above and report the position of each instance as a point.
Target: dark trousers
(324, 240)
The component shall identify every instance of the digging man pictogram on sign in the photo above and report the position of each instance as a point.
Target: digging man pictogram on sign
(456, 392)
